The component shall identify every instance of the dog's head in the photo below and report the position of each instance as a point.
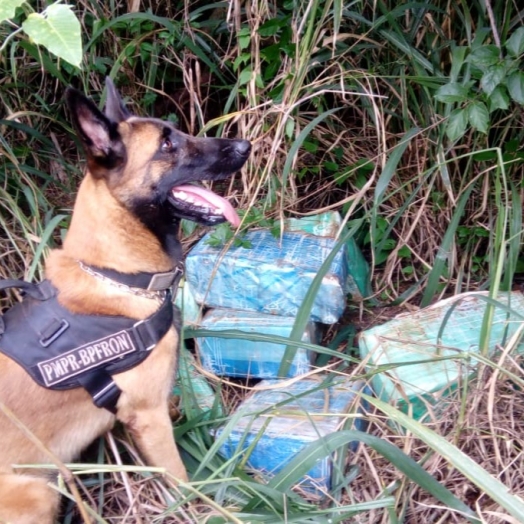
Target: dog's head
(152, 168)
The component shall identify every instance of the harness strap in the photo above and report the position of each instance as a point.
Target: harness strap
(145, 334)
(152, 329)
(102, 388)
(100, 384)
(42, 291)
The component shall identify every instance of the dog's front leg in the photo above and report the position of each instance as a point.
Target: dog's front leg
(143, 407)
(152, 432)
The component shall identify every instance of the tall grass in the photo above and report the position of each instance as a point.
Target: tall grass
(339, 102)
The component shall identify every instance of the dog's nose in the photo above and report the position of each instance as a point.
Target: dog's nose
(242, 147)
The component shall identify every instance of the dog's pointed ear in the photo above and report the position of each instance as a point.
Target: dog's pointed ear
(99, 135)
(115, 109)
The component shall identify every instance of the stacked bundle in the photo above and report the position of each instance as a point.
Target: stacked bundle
(255, 295)
(260, 289)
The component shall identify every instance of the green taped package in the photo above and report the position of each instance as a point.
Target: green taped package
(422, 370)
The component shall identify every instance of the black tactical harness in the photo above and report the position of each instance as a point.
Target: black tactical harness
(64, 350)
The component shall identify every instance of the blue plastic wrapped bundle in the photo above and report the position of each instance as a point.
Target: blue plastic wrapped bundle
(251, 358)
(322, 225)
(197, 396)
(328, 224)
(190, 310)
(423, 378)
(281, 422)
(273, 276)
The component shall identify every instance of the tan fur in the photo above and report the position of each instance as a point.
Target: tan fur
(104, 233)
(122, 220)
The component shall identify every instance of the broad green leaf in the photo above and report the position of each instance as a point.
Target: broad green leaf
(270, 28)
(245, 76)
(478, 116)
(8, 8)
(515, 43)
(492, 77)
(457, 123)
(484, 56)
(58, 30)
(498, 99)
(515, 85)
(451, 93)
(244, 37)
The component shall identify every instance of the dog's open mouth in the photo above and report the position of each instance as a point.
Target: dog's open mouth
(201, 205)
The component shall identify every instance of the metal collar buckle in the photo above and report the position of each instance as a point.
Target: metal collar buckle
(161, 281)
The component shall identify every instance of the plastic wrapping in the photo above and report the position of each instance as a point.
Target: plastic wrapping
(196, 395)
(412, 339)
(276, 424)
(251, 358)
(190, 310)
(328, 225)
(272, 277)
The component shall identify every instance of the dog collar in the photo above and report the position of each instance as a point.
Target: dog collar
(148, 285)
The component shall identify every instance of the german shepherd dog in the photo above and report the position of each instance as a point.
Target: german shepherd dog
(139, 182)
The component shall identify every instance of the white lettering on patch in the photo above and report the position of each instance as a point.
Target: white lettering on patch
(83, 358)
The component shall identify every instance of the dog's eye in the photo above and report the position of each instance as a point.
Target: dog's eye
(167, 145)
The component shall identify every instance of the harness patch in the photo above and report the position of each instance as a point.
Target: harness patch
(86, 357)
(64, 350)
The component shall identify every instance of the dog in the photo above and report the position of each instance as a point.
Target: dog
(139, 183)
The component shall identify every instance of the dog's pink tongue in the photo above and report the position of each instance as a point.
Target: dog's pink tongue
(206, 198)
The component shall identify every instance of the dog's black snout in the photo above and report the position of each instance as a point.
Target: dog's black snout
(242, 147)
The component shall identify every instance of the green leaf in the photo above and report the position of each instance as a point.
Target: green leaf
(438, 270)
(498, 99)
(404, 252)
(451, 93)
(290, 127)
(515, 84)
(515, 43)
(58, 30)
(457, 123)
(492, 77)
(244, 37)
(484, 56)
(271, 27)
(8, 8)
(240, 60)
(259, 82)
(478, 116)
(245, 76)
(391, 165)
(457, 61)
(44, 243)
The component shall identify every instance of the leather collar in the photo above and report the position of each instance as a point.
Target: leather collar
(146, 281)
